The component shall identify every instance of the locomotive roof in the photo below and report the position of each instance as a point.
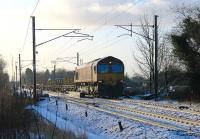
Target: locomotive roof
(94, 62)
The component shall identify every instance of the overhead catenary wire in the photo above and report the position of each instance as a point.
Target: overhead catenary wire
(62, 48)
(106, 14)
(104, 47)
(77, 42)
(26, 35)
(112, 42)
(35, 8)
(118, 15)
(103, 25)
(114, 17)
(92, 45)
(26, 65)
(103, 44)
(27, 29)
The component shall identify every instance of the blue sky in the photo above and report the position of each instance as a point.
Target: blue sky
(95, 17)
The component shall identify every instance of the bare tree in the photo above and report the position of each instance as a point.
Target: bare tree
(145, 46)
(2, 64)
(4, 78)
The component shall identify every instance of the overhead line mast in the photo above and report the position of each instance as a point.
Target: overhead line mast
(155, 39)
(74, 32)
(34, 57)
(20, 75)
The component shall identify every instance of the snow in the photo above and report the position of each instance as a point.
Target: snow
(101, 124)
(63, 123)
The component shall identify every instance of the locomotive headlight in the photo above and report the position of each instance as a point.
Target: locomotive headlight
(110, 62)
(100, 81)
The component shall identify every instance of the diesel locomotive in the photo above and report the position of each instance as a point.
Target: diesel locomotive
(102, 77)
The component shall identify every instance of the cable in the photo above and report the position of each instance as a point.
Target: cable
(110, 11)
(113, 10)
(24, 43)
(27, 29)
(61, 48)
(97, 45)
(61, 51)
(116, 16)
(69, 47)
(98, 27)
(105, 46)
(26, 65)
(86, 27)
(88, 48)
(35, 8)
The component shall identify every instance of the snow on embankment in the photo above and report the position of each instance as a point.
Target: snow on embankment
(64, 124)
(100, 124)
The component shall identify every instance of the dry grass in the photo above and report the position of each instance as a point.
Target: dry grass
(46, 129)
(17, 122)
(14, 119)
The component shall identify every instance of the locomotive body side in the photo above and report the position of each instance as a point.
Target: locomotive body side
(85, 74)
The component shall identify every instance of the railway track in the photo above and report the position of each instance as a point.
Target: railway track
(184, 124)
(184, 115)
(159, 116)
(174, 108)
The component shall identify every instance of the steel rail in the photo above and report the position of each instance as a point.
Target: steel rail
(166, 107)
(159, 116)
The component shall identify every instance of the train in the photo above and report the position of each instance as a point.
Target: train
(103, 77)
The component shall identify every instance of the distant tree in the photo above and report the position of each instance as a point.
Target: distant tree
(186, 43)
(173, 76)
(61, 73)
(46, 76)
(4, 78)
(2, 64)
(28, 76)
(127, 81)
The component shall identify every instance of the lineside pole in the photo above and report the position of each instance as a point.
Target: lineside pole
(20, 75)
(16, 76)
(34, 61)
(77, 59)
(54, 74)
(156, 56)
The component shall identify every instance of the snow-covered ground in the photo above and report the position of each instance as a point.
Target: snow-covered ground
(99, 124)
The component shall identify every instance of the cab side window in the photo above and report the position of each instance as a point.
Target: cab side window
(95, 69)
(76, 75)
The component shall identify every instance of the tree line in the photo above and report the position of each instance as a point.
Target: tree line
(178, 54)
(46, 77)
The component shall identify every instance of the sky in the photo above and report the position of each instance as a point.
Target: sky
(94, 17)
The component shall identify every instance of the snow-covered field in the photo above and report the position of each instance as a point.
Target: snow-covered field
(100, 124)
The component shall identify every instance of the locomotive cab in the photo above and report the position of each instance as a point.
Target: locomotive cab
(110, 77)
